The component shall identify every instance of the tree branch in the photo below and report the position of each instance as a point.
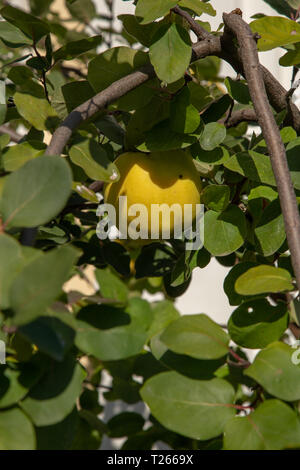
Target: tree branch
(14, 136)
(95, 104)
(224, 48)
(248, 55)
(247, 114)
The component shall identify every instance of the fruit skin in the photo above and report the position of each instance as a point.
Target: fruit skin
(155, 178)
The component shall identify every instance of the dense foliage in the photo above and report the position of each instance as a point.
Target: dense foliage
(201, 389)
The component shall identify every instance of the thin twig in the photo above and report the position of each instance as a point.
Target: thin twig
(249, 57)
(14, 136)
(44, 82)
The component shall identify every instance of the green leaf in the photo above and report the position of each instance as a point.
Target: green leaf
(274, 370)
(150, 10)
(200, 96)
(212, 136)
(75, 48)
(11, 261)
(198, 7)
(214, 157)
(12, 36)
(238, 90)
(292, 153)
(184, 117)
(272, 426)
(197, 409)
(162, 138)
(216, 197)
(114, 64)
(15, 384)
(263, 279)
(16, 431)
(125, 424)
(15, 156)
(170, 52)
(143, 33)
(92, 158)
(29, 24)
(275, 32)
(35, 287)
(54, 396)
(36, 192)
(256, 323)
(164, 313)
(34, 108)
(85, 11)
(110, 333)
(196, 336)
(264, 192)
(109, 126)
(111, 286)
(224, 232)
(270, 231)
(292, 57)
(253, 165)
(58, 436)
(229, 282)
(50, 335)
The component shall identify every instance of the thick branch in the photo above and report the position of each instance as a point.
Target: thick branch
(242, 115)
(223, 47)
(249, 57)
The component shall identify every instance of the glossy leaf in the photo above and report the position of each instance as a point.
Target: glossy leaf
(216, 197)
(198, 7)
(76, 48)
(270, 231)
(32, 105)
(29, 24)
(184, 116)
(273, 369)
(16, 431)
(275, 32)
(12, 36)
(149, 10)
(253, 165)
(257, 323)
(238, 90)
(212, 136)
(54, 396)
(92, 158)
(110, 334)
(263, 279)
(272, 426)
(15, 156)
(196, 336)
(194, 408)
(170, 52)
(111, 287)
(35, 287)
(224, 232)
